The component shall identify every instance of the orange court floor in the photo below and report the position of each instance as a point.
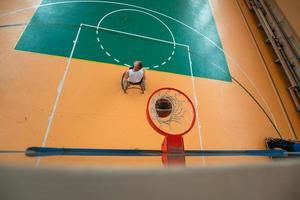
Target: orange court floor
(93, 111)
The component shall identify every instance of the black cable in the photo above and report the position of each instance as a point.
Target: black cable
(253, 98)
(11, 25)
(263, 59)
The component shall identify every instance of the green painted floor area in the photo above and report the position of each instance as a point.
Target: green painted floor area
(131, 33)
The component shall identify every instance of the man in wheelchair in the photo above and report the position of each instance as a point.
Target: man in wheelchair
(134, 76)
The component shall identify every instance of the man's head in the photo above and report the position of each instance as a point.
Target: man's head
(137, 65)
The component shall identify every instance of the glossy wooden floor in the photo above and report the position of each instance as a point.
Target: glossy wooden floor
(93, 112)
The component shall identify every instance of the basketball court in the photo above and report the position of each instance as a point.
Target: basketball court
(62, 62)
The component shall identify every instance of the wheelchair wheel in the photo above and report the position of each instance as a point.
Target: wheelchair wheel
(123, 85)
(143, 87)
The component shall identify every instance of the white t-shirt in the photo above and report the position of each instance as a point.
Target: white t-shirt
(135, 76)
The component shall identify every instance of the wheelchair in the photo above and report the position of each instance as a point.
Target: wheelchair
(126, 85)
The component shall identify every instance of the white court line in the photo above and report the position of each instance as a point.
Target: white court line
(268, 75)
(190, 65)
(144, 12)
(61, 85)
(196, 103)
(23, 31)
(236, 64)
(135, 35)
(143, 8)
(59, 91)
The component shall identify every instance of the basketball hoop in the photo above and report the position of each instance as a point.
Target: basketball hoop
(171, 113)
(181, 114)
